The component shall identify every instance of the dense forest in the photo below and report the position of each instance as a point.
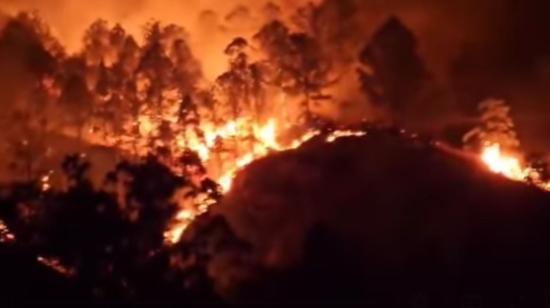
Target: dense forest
(119, 161)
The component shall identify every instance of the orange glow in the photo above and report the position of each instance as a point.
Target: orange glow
(511, 166)
(249, 141)
(5, 234)
(45, 184)
(265, 141)
(506, 165)
(56, 265)
(145, 125)
(344, 133)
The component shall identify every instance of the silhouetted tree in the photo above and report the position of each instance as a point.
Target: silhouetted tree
(242, 84)
(296, 64)
(97, 44)
(396, 74)
(75, 97)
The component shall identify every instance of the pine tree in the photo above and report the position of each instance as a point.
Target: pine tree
(295, 64)
(495, 127)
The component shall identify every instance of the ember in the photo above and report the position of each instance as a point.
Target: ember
(56, 265)
(5, 234)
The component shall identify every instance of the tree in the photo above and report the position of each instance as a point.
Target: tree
(76, 169)
(128, 59)
(31, 20)
(104, 83)
(296, 64)
(541, 170)
(236, 83)
(395, 74)
(75, 97)
(125, 78)
(155, 66)
(28, 153)
(495, 127)
(271, 11)
(187, 69)
(24, 59)
(334, 24)
(97, 43)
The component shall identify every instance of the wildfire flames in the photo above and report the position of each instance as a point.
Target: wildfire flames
(266, 141)
(223, 149)
(164, 159)
(510, 166)
(150, 97)
(499, 163)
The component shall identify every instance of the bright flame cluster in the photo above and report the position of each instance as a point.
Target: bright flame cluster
(223, 147)
(250, 141)
(510, 166)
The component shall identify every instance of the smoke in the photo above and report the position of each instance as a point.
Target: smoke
(446, 29)
(442, 26)
(211, 24)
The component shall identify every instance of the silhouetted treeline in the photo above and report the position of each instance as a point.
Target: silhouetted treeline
(108, 241)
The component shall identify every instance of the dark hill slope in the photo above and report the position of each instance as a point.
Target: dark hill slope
(383, 218)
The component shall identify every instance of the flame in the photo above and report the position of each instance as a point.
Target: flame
(511, 166)
(224, 146)
(344, 133)
(185, 216)
(45, 184)
(250, 141)
(6, 236)
(506, 165)
(265, 139)
(56, 265)
(146, 125)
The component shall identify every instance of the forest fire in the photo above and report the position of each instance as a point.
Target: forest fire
(264, 147)
(511, 167)
(265, 141)
(223, 150)
(508, 166)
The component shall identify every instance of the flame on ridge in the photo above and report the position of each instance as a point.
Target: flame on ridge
(253, 141)
(511, 166)
(266, 136)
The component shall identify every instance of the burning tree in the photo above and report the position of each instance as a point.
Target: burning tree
(97, 44)
(495, 127)
(496, 139)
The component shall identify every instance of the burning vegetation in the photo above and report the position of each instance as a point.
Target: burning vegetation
(160, 148)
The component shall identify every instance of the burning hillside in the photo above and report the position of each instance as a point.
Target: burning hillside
(134, 169)
(380, 217)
